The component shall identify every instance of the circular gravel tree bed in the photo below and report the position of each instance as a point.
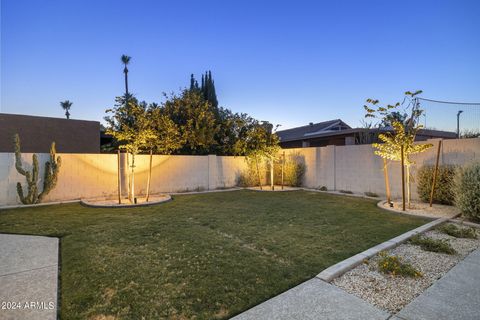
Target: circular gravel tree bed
(421, 209)
(113, 203)
(276, 188)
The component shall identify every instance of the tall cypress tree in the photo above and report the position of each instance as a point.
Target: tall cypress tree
(212, 94)
(207, 88)
(192, 82)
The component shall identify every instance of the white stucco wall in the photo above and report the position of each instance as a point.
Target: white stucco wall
(95, 175)
(353, 168)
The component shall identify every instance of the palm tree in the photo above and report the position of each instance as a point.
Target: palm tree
(66, 105)
(126, 61)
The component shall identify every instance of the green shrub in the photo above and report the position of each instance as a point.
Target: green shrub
(445, 185)
(371, 194)
(467, 191)
(394, 266)
(433, 245)
(458, 232)
(345, 191)
(249, 176)
(294, 171)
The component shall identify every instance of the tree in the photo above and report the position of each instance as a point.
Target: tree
(193, 83)
(230, 126)
(166, 138)
(66, 105)
(126, 60)
(259, 143)
(404, 129)
(129, 124)
(207, 88)
(195, 119)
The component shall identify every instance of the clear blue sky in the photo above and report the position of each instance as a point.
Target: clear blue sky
(286, 62)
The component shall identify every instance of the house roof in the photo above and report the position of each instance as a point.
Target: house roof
(313, 129)
(338, 127)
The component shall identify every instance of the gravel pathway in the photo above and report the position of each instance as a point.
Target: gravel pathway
(393, 293)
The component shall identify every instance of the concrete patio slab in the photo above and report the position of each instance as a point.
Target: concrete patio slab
(22, 253)
(314, 299)
(455, 296)
(28, 277)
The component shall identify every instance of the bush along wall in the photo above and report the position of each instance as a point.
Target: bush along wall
(293, 170)
(445, 185)
(467, 191)
(250, 176)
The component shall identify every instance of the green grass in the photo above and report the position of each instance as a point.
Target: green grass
(206, 255)
(433, 245)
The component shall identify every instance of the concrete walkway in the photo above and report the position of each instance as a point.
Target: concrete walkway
(455, 296)
(314, 299)
(28, 277)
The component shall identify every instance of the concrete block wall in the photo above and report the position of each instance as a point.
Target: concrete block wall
(354, 167)
(95, 175)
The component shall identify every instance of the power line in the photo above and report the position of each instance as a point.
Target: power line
(450, 102)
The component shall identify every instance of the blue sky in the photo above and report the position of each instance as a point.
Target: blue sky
(287, 62)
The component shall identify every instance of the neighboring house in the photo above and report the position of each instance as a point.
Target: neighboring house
(38, 133)
(336, 132)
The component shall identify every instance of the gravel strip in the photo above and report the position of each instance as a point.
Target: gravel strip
(423, 209)
(392, 293)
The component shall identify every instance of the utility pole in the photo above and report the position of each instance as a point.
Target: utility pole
(458, 123)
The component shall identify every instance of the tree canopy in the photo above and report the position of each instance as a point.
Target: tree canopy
(190, 122)
(402, 119)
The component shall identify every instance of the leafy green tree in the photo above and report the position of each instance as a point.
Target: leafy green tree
(168, 137)
(260, 143)
(404, 131)
(66, 105)
(195, 120)
(129, 124)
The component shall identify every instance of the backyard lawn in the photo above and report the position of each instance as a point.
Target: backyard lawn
(206, 255)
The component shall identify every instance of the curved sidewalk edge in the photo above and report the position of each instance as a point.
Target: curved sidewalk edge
(28, 277)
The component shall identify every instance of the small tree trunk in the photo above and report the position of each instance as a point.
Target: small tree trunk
(129, 184)
(283, 166)
(149, 176)
(119, 179)
(387, 183)
(258, 173)
(408, 185)
(403, 177)
(133, 178)
(271, 174)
